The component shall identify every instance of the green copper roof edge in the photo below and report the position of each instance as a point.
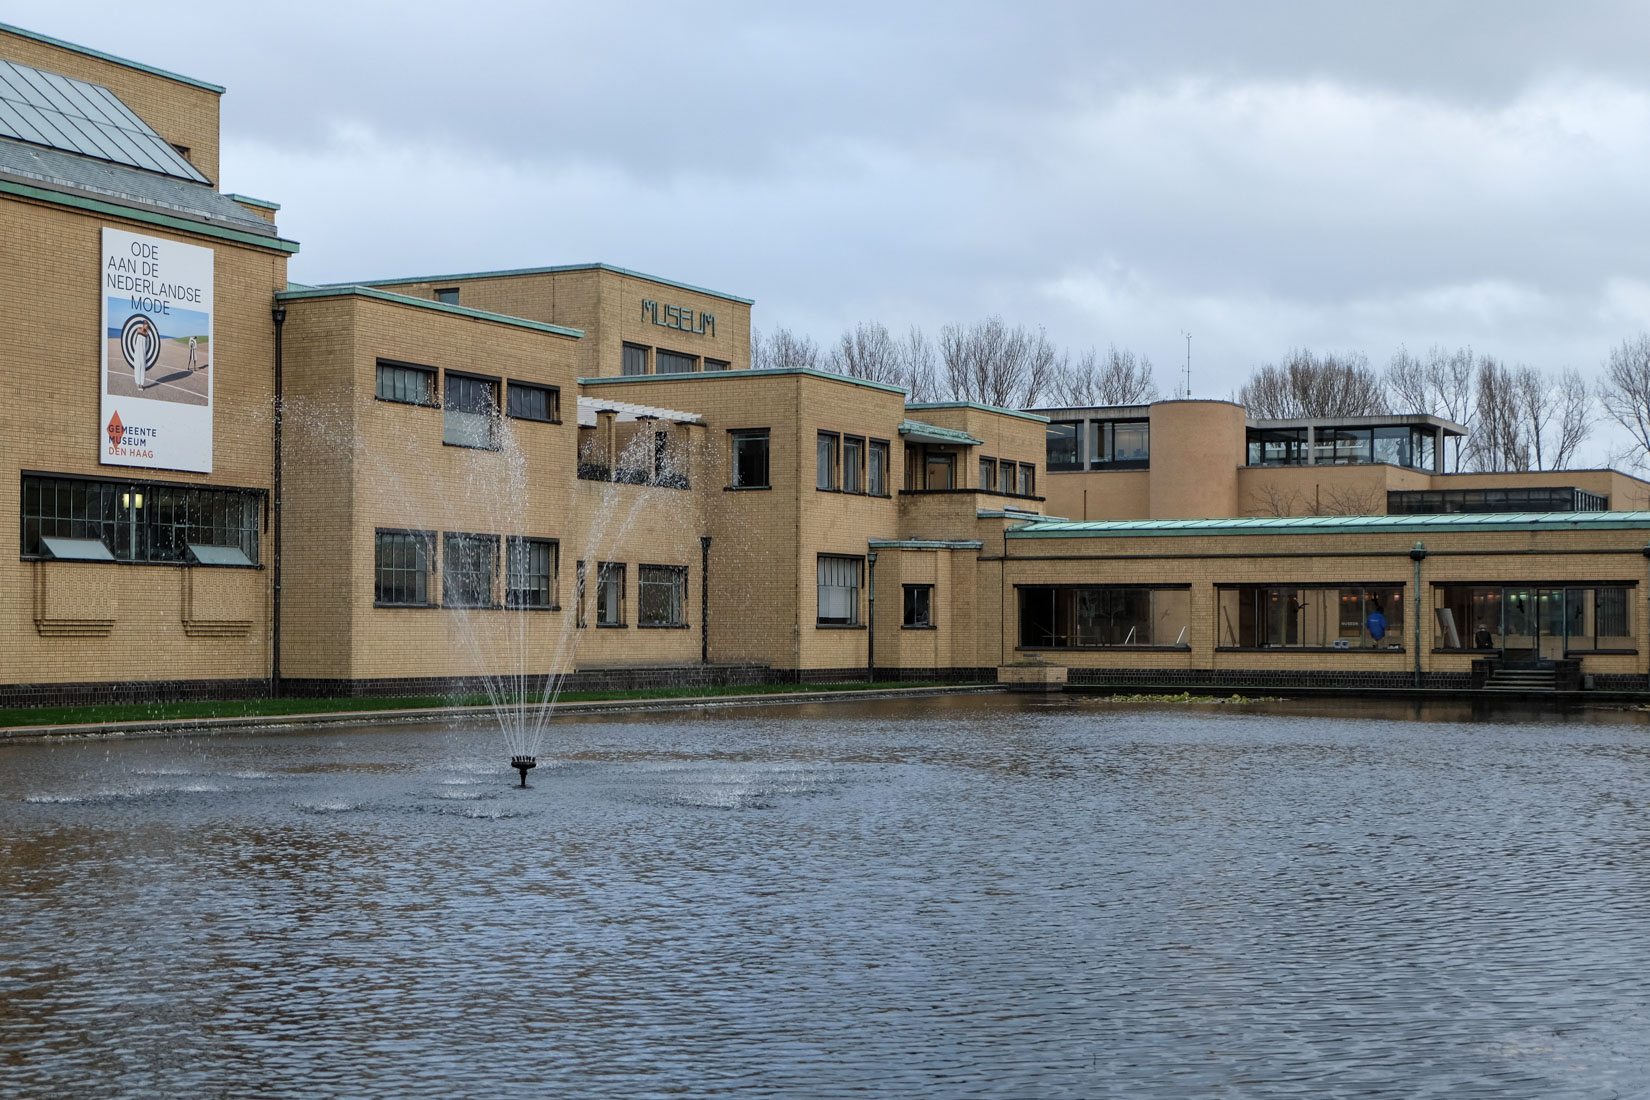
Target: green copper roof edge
(908, 426)
(1453, 521)
(769, 372)
(101, 56)
(925, 544)
(138, 214)
(352, 291)
(554, 269)
(248, 200)
(982, 408)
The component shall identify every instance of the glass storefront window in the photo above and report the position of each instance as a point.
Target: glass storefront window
(1311, 617)
(1065, 446)
(1532, 622)
(1074, 617)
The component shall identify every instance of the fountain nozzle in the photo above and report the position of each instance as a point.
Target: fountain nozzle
(522, 764)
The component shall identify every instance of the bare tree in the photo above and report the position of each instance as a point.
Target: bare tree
(1557, 413)
(922, 381)
(868, 352)
(1625, 393)
(1306, 385)
(1500, 439)
(993, 364)
(783, 350)
(1336, 500)
(1118, 378)
(1442, 384)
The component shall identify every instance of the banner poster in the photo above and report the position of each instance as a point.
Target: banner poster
(157, 353)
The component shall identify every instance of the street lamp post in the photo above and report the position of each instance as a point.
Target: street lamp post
(1416, 554)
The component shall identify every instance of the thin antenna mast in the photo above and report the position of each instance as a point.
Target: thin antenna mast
(1188, 370)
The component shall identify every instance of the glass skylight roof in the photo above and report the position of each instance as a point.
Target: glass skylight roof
(78, 117)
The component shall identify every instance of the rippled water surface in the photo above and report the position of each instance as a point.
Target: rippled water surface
(976, 896)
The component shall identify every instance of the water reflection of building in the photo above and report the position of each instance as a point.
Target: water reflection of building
(573, 470)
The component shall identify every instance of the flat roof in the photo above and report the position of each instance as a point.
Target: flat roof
(933, 433)
(1339, 525)
(1384, 420)
(509, 272)
(975, 405)
(101, 56)
(626, 411)
(346, 290)
(724, 375)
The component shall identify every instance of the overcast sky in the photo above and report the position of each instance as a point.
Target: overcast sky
(1263, 175)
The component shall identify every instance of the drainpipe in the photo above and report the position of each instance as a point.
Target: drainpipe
(871, 618)
(1416, 554)
(278, 315)
(704, 599)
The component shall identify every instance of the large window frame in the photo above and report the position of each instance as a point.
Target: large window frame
(674, 362)
(876, 468)
(840, 580)
(469, 570)
(749, 453)
(406, 384)
(661, 596)
(530, 573)
(1317, 617)
(853, 464)
(1120, 444)
(470, 411)
(532, 401)
(1083, 616)
(1502, 617)
(1065, 444)
(826, 454)
(610, 594)
(633, 359)
(139, 521)
(917, 607)
(403, 568)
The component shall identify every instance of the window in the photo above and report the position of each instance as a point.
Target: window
(1065, 445)
(838, 590)
(988, 474)
(1028, 479)
(401, 568)
(716, 364)
(447, 296)
(661, 591)
(140, 521)
(827, 461)
(671, 362)
(1277, 446)
(472, 406)
(530, 573)
(635, 360)
(578, 594)
(876, 469)
(406, 383)
(468, 565)
(1075, 617)
(919, 605)
(938, 468)
(853, 453)
(1540, 499)
(1538, 621)
(525, 401)
(1120, 444)
(1310, 616)
(610, 593)
(750, 458)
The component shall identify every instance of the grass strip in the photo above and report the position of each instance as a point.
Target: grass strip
(274, 708)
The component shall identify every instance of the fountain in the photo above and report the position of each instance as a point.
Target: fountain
(522, 764)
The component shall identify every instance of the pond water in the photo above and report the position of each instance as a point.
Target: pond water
(982, 896)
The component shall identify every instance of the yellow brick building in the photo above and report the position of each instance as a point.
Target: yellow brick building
(223, 483)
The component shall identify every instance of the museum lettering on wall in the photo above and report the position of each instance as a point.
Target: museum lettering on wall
(156, 360)
(679, 317)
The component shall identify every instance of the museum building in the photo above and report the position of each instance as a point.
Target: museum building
(570, 474)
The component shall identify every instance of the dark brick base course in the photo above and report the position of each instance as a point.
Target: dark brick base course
(1183, 679)
(98, 693)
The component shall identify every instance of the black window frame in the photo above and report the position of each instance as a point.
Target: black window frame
(717, 364)
(854, 621)
(514, 546)
(1063, 440)
(679, 581)
(140, 521)
(398, 370)
(873, 447)
(455, 545)
(493, 384)
(606, 571)
(828, 469)
(441, 295)
(416, 541)
(917, 607)
(988, 480)
(736, 436)
(552, 401)
(692, 361)
(625, 350)
(856, 467)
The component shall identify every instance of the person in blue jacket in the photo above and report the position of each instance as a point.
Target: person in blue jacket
(1376, 622)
